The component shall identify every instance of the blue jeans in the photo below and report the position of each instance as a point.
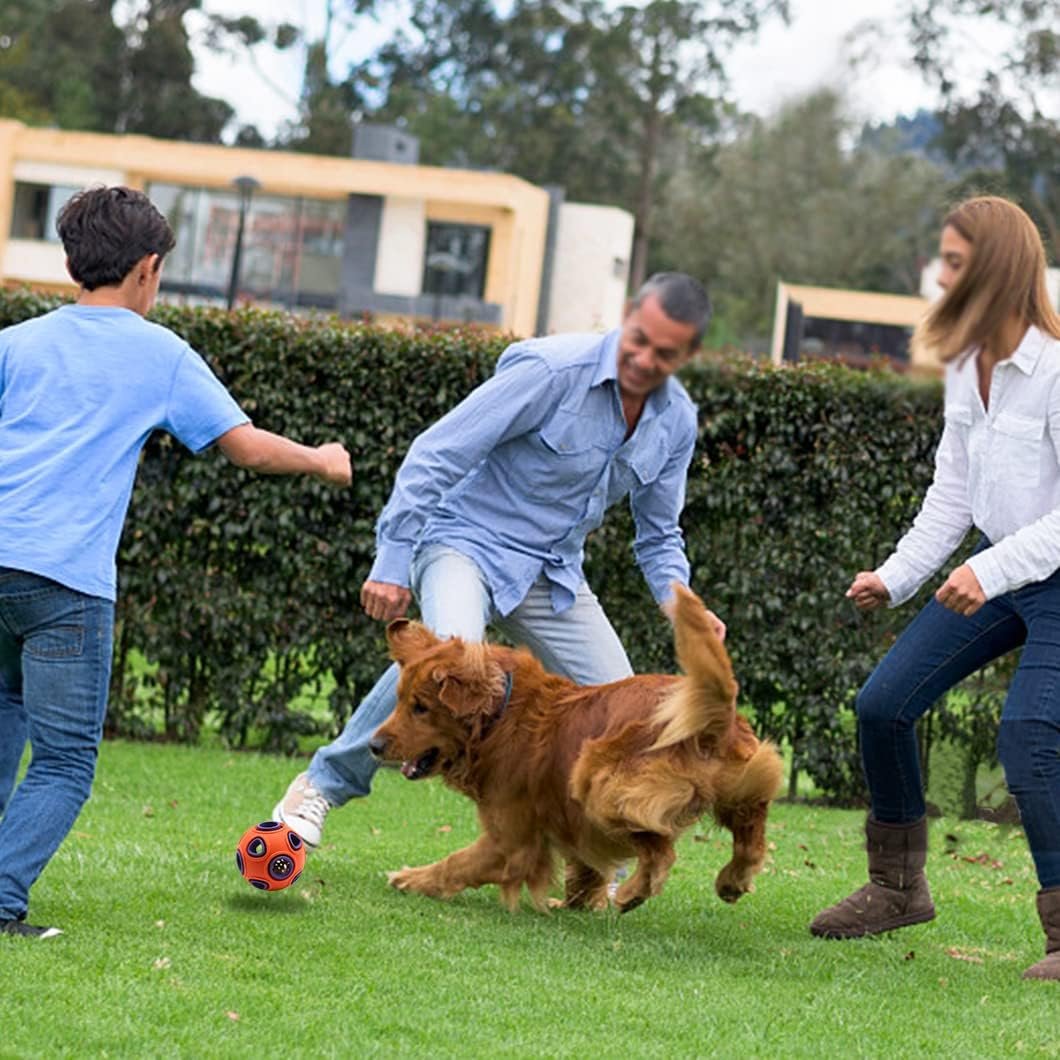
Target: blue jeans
(55, 657)
(455, 601)
(938, 649)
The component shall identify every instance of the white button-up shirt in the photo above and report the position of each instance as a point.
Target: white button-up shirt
(996, 468)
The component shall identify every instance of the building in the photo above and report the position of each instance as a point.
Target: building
(855, 327)
(860, 327)
(374, 234)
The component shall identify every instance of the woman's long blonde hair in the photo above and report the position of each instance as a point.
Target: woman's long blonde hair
(1004, 276)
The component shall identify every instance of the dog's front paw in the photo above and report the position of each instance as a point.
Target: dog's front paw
(419, 881)
(731, 885)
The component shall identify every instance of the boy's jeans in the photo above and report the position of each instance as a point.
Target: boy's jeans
(55, 657)
(455, 600)
(935, 651)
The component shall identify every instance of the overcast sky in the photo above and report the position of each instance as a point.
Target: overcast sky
(784, 61)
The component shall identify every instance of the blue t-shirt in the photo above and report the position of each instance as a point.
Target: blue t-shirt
(81, 389)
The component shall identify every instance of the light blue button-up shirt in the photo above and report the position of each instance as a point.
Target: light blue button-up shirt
(519, 472)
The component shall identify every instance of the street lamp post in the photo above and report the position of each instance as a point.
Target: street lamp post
(246, 186)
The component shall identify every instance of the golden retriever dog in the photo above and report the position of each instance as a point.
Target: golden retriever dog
(599, 775)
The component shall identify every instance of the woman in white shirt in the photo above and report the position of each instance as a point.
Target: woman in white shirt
(998, 469)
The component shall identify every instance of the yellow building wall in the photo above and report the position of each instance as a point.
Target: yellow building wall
(516, 210)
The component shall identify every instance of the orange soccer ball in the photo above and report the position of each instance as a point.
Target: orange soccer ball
(270, 856)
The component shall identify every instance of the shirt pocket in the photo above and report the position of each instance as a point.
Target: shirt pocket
(562, 455)
(648, 461)
(639, 468)
(1017, 450)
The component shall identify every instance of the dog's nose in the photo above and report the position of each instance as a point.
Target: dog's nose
(377, 747)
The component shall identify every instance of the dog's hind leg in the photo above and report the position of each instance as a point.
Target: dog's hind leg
(482, 862)
(584, 887)
(655, 856)
(748, 826)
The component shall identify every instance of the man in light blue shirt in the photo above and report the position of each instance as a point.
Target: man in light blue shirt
(491, 507)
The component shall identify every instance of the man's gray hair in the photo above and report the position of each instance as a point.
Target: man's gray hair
(682, 298)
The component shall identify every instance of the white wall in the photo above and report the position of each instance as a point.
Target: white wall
(590, 269)
(73, 176)
(34, 261)
(402, 244)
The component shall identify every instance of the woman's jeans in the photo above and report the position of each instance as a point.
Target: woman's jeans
(937, 650)
(455, 601)
(55, 657)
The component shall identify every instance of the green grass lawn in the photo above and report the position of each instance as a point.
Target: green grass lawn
(168, 952)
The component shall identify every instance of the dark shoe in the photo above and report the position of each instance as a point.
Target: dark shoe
(1049, 914)
(29, 931)
(897, 893)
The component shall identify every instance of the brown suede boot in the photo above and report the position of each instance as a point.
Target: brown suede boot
(1049, 912)
(897, 892)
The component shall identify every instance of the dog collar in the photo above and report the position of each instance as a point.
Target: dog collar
(507, 695)
(490, 722)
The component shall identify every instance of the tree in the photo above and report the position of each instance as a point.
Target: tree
(327, 103)
(579, 93)
(62, 63)
(161, 100)
(787, 200)
(69, 63)
(665, 68)
(1001, 127)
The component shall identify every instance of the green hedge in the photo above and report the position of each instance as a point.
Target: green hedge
(243, 590)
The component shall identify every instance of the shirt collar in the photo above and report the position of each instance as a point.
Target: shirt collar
(607, 371)
(1029, 351)
(607, 362)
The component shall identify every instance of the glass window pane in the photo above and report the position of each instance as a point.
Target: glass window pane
(35, 209)
(179, 206)
(290, 246)
(319, 265)
(456, 259)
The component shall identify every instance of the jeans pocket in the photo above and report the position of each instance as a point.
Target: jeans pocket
(60, 634)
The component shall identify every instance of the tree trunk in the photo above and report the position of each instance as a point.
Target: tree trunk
(638, 267)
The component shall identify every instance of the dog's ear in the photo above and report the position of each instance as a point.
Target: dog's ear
(408, 639)
(471, 683)
(459, 698)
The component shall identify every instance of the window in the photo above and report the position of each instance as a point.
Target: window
(35, 208)
(456, 260)
(292, 248)
(855, 342)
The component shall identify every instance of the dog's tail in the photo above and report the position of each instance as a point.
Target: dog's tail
(704, 703)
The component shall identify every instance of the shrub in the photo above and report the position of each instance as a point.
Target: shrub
(242, 590)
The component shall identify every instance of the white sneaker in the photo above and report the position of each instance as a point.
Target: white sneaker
(303, 808)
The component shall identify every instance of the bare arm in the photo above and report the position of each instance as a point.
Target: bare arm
(273, 454)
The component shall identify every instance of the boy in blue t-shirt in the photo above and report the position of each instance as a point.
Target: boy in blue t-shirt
(81, 389)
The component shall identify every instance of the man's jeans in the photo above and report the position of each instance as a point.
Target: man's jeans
(455, 601)
(940, 648)
(55, 657)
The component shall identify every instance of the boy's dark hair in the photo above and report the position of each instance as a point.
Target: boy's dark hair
(106, 231)
(682, 297)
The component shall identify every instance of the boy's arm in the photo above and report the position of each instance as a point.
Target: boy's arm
(273, 454)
